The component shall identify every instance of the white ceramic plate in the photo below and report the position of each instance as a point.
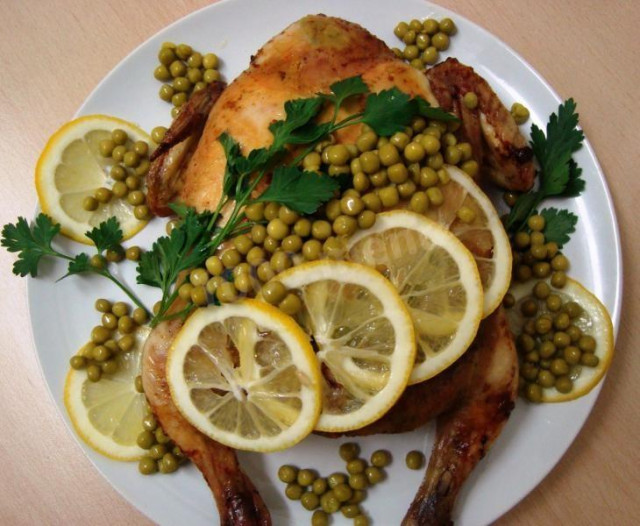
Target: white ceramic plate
(535, 437)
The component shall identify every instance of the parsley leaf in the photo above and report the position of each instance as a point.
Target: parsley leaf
(78, 265)
(184, 248)
(301, 191)
(559, 174)
(31, 244)
(559, 225)
(576, 184)
(389, 111)
(432, 112)
(107, 235)
(299, 113)
(343, 89)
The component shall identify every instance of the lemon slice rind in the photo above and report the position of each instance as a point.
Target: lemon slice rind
(467, 326)
(118, 386)
(51, 197)
(501, 258)
(267, 318)
(598, 316)
(329, 354)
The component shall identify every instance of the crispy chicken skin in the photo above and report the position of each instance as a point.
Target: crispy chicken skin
(496, 141)
(466, 432)
(306, 58)
(238, 501)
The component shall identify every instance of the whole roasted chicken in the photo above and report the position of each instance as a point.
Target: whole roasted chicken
(473, 398)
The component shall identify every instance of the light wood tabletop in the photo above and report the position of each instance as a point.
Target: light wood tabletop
(52, 54)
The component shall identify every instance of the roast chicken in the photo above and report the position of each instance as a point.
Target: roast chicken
(473, 398)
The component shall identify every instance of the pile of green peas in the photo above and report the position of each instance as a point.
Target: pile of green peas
(339, 492)
(551, 346)
(131, 164)
(424, 40)
(406, 169)
(183, 71)
(163, 455)
(113, 336)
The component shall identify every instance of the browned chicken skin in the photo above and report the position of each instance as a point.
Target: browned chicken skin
(473, 398)
(496, 141)
(466, 432)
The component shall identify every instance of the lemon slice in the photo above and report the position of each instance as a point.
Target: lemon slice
(482, 233)
(437, 279)
(71, 168)
(593, 321)
(363, 336)
(108, 414)
(245, 375)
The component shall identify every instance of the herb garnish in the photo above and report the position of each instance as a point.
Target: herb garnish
(199, 235)
(34, 243)
(559, 175)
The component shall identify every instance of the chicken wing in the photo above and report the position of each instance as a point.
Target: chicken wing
(496, 141)
(238, 501)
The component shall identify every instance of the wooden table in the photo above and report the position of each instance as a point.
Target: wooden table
(54, 53)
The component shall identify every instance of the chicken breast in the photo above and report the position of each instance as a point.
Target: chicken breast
(306, 58)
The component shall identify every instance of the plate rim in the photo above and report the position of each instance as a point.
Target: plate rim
(610, 207)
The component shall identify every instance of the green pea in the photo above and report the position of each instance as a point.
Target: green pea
(329, 502)
(293, 491)
(370, 162)
(380, 458)
(470, 100)
(103, 305)
(146, 439)
(350, 510)
(302, 227)
(414, 459)
(319, 518)
(211, 75)
(291, 304)
(589, 359)
(440, 41)
(309, 500)
(226, 292)
(430, 55)
(157, 134)
(210, 61)
(168, 463)
(374, 475)
(336, 478)
(319, 486)
(126, 343)
(366, 219)
(358, 481)
(147, 466)
(401, 29)
(564, 384)
(533, 393)
(343, 492)
(587, 344)
(366, 141)
(287, 473)
(306, 477)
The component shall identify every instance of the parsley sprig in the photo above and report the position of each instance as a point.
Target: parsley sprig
(32, 243)
(559, 175)
(200, 234)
